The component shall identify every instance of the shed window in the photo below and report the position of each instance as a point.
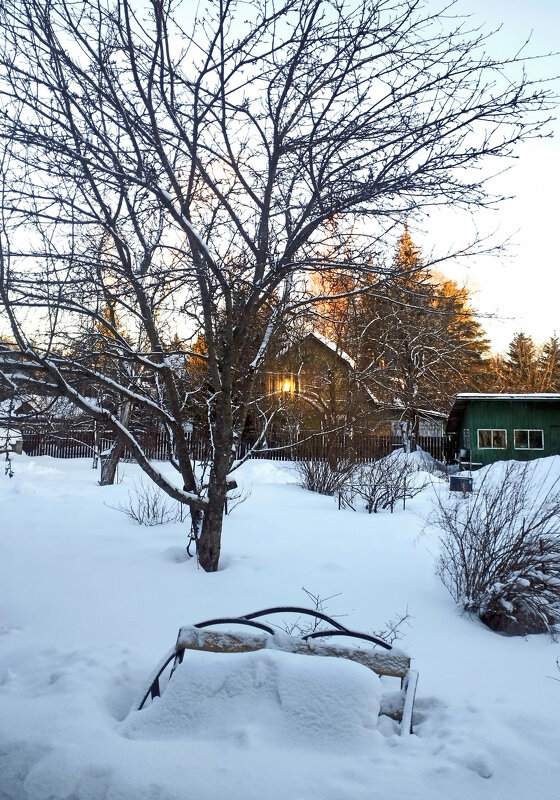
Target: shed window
(528, 440)
(492, 438)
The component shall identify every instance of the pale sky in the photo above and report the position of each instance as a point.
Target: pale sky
(522, 288)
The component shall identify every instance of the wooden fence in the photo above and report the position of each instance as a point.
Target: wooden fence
(81, 444)
(59, 445)
(362, 449)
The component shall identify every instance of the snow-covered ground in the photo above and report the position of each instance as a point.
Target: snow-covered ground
(90, 602)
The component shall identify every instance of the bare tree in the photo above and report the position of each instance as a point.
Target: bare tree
(211, 154)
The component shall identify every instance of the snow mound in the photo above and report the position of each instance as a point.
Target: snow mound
(265, 472)
(543, 473)
(420, 459)
(264, 697)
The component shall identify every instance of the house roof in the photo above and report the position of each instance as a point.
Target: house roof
(509, 396)
(35, 405)
(325, 342)
(334, 347)
(398, 406)
(461, 401)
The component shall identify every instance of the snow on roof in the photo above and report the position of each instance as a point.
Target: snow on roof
(11, 407)
(333, 346)
(460, 403)
(508, 396)
(326, 343)
(397, 405)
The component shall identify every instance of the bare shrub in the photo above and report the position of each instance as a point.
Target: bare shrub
(391, 631)
(149, 505)
(383, 484)
(235, 497)
(500, 550)
(307, 625)
(325, 476)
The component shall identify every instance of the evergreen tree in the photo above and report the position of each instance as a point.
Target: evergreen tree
(549, 365)
(421, 343)
(412, 333)
(522, 372)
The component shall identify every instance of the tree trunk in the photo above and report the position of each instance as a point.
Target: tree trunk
(415, 433)
(409, 434)
(405, 436)
(209, 542)
(110, 462)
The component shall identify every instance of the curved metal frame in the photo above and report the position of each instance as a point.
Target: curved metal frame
(341, 630)
(249, 620)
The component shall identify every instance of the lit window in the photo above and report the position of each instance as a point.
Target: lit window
(489, 438)
(287, 385)
(528, 440)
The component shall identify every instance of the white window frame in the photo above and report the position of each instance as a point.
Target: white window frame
(528, 431)
(492, 431)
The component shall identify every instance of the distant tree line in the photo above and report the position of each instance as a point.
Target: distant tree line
(527, 366)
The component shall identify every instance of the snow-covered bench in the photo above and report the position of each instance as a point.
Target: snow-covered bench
(388, 661)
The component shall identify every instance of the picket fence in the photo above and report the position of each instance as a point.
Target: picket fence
(81, 444)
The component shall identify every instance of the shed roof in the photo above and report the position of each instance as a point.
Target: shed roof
(461, 401)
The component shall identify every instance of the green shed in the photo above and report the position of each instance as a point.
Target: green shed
(497, 427)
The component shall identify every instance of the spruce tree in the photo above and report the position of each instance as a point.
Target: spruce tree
(549, 365)
(522, 365)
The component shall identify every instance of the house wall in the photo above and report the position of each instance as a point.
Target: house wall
(427, 427)
(510, 415)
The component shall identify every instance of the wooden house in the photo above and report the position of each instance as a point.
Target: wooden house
(499, 427)
(321, 389)
(315, 380)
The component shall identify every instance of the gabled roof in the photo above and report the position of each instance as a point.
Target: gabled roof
(325, 342)
(461, 401)
(332, 346)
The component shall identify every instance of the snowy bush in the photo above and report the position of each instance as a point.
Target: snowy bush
(500, 550)
(384, 483)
